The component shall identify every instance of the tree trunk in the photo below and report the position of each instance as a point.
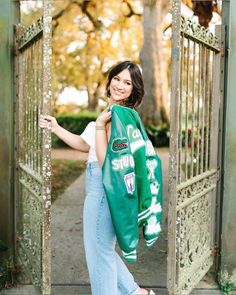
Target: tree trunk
(92, 101)
(94, 96)
(154, 109)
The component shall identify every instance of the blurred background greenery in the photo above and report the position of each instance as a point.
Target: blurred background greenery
(90, 36)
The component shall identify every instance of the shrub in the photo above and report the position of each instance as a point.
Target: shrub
(159, 135)
(74, 123)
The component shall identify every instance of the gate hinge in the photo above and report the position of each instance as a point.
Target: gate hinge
(214, 250)
(218, 174)
(223, 51)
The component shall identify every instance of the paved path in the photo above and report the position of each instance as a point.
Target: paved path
(69, 272)
(67, 243)
(151, 268)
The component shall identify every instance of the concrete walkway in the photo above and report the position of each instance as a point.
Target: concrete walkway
(67, 249)
(69, 272)
(67, 243)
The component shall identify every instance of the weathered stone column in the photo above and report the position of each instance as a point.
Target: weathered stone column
(228, 247)
(9, 15)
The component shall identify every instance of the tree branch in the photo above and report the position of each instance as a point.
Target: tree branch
(84, 7)
(58, 15)
(131, 10)
(61, 12)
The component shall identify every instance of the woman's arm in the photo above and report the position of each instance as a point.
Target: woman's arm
(73, 140)
(102, 135)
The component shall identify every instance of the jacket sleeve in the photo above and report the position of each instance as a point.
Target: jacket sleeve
(152, 227)
(138, 149)
(152, 224)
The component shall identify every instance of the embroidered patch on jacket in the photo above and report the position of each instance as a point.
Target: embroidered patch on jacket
(129, 182)
(119, 144)
(150, 149)
(151, 165)
(154, 186)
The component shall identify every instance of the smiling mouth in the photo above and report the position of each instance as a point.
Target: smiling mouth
(118, 92)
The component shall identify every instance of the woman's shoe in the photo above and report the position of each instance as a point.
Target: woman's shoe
(151, 293)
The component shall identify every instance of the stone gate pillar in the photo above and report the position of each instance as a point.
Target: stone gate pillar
(9, 15)
(228, 247)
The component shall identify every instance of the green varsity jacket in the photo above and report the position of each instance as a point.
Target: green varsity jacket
(132, 179)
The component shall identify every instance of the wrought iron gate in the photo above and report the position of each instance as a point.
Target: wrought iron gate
(33, 150)
(195, 109)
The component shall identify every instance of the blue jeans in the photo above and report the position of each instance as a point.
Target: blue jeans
(107, 272)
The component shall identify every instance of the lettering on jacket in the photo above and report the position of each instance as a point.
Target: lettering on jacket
(124, 162)
(135, 137)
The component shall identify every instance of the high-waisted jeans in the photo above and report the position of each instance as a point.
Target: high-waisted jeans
(107, 272)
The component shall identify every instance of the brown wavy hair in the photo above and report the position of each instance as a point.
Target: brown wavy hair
(136, 96)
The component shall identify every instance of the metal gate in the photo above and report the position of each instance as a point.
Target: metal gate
(33, 150)
(193, 179)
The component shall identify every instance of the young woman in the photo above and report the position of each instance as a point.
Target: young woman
(107, 271)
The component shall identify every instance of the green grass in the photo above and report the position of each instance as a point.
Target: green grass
(64, 172)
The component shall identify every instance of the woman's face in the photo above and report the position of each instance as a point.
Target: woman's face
(120, 87)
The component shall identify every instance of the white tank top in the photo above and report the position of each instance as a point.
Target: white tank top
(88, 136)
